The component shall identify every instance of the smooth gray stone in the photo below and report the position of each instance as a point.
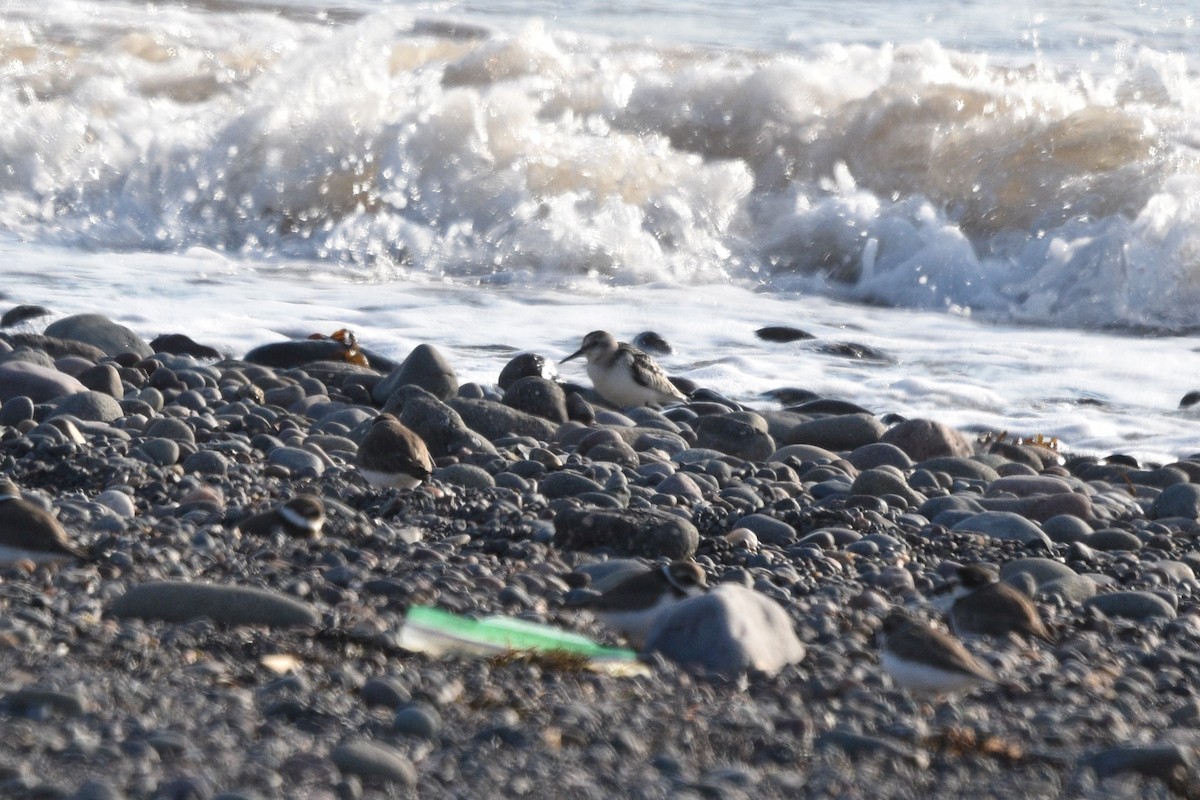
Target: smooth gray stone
(1026, 485)
(538, 396)
(1111, 539)
(1132, 605)
(631, 532)
(879, 454)
(103, 378)
(935, 506)
(768, 529)
(91, 406)
(100, 331)
(16, 410)
(438, 424)
(296, 460)
(804, 452)
(466, 475)
(206, 462)
(182, 601)
(21, 701)
(1174, 571)
(526, 365)
(1003, 525)
(1165, 761)
(40, 384)
(1043, 506)
(1066, 528)
(171, 428)
(960, 467)
(838, 433)
(373, 761)
(1074, 589)
(496, 420)
(681, 485)
(157, 450)
(383, 691)
(878, 482)
(1179, 500)
(923, 439)
(739, 433)
(418, 719)
(728, 631)
(1043, 570)
(567, 484)
(425, 367)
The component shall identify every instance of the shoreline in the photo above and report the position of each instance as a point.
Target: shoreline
(851, 515)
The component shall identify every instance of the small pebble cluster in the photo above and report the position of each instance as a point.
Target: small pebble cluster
(185, 658)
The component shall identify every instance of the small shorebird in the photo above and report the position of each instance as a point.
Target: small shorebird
(988, 607)
(624, 375)
(301, 517)
(393, 455)
(28, 533)
(925, 660)
(632, 606)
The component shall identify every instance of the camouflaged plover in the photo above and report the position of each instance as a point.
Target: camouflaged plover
(632, 606)
(301, 517)
(29, 533)
(986, 606)
(923, 659)
(624, 375)
(393, 455)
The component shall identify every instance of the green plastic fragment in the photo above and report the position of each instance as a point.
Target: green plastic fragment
(437, 632)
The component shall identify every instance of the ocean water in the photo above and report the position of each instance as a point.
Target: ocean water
(1003, 201)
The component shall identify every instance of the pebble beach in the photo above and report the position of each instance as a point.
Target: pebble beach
(186, 658)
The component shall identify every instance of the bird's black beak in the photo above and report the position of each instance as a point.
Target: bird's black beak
(576, 354)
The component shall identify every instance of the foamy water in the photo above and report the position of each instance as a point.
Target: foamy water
(519, 174)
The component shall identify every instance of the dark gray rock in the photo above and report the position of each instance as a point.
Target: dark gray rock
(171, 428)
(1167, 761)
(728, 631)
(1179, 500)
(16, 410)
(645, 532)
(383, 691)
(879, 454)
(568, 484)
(182, 601)
(425, 367)
(90, 406)
(497, 421)
(206, 462)
(1113, 539)
(1132, 605)
(538, 396)
(881, 481)
(417, 719)
(100, 331)
(1003, 525)
(526, 365)
(39, 383)
(924, 439)
(1066, 528)
(740, 433)
(957, 467)
(838, 433)
(438, 424)
(373, 761)
(103, 378)
(466, 475)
